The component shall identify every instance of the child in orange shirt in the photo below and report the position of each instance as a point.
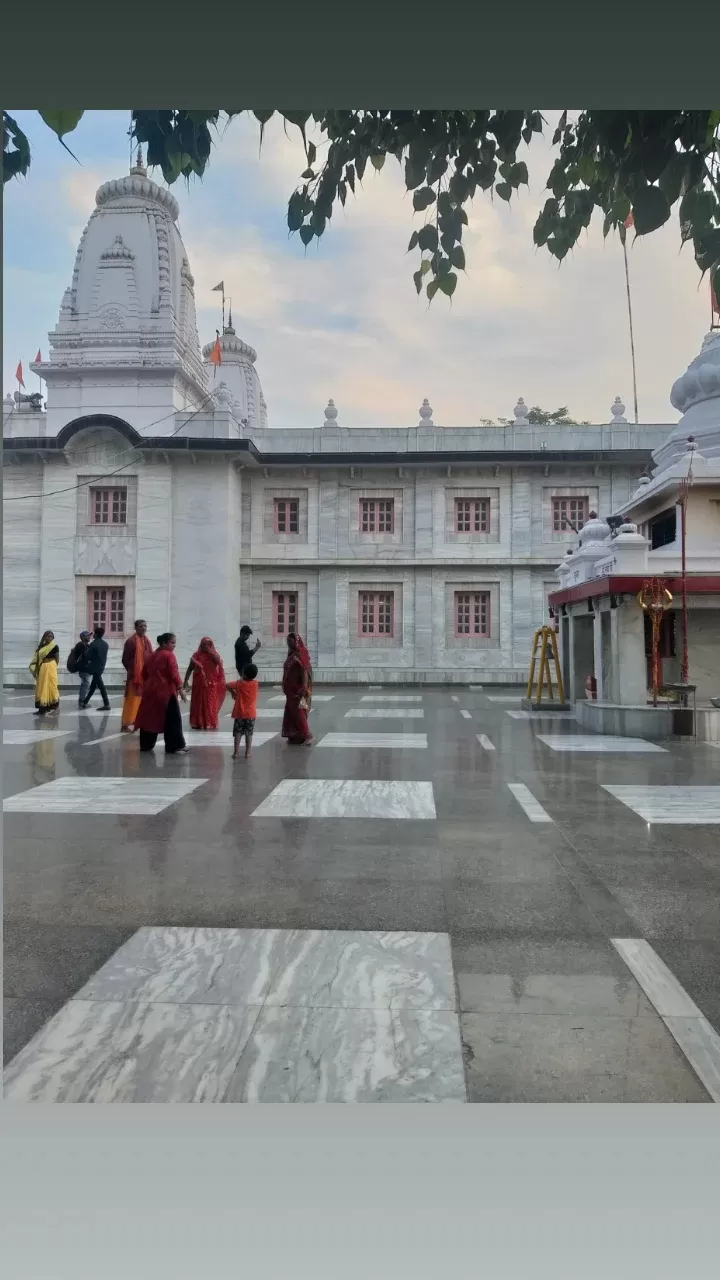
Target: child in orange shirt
(244, 709)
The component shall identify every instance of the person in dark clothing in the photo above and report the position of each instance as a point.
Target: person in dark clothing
(95, 659)
(243, 653)
(77, 663)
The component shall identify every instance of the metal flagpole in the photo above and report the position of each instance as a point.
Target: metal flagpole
(220, 288)
(629, 223)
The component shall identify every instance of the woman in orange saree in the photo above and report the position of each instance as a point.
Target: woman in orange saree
(208, 685)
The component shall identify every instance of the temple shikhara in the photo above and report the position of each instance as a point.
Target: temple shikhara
(153, 483)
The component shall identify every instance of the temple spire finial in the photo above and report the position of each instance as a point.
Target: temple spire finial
(139, 167)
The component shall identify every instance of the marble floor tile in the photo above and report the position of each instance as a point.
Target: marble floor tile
(454, 698)
(317, 697)
(527, 801)
(701, 1045)
(465, 714)
(385, 741)
(593, 994)
(21, 711)
(475, 688)
(385, 713)
(332, 798)
(485, 741)
(541, 715)
(224, 738)
(102, 795)
(674, 806)
(598, 744)
(391, 697)
(94, 1051)
(351, 1055)
(107, 737)
(497, 697)
(268, 713)
(26, 737)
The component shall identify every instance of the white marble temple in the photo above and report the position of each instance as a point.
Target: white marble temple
(690, 1028)
(95, 1051)
(385, 713)
(102, 795)
(335, 798)
(496, 697)
(384, 741)
(317, 697)
(598, 744)
(26, 737)
(671, 806)
(351, 1056)
(527, 801)
(485, 741)
(467, 715)
(391, 697)
(541, 715)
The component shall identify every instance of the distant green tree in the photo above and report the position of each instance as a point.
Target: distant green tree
(541, 418)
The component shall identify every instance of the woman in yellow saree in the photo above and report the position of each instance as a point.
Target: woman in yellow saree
(44, 669)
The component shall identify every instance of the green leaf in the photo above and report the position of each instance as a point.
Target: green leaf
(295, 213)
(504, 190)
(425, 266)
(650, 210)
(432, 289)
(413, 241)
(377, 161)
(428, 237)
(447, 284)
(457, 257)
(309, 173)
(263, 116)
(422, 198)
(697, 210)
(707, 249)
(62, 122)
(586, 169)
(437, 167)
(518, 174)
(311, 153)
(306, 234)
(413, 175)
(418, 278)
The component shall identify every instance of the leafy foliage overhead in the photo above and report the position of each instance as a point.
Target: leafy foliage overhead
(635, 167)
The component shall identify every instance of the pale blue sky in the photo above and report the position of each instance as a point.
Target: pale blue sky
(343, 320)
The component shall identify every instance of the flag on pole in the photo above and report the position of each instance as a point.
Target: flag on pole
(219, 288)
(215, 356)
(18, 375)
(38, 358)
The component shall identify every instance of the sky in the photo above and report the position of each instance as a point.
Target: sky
(342, 319)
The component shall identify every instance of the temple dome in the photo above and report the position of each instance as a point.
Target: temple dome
(235, 380)
(697, 396)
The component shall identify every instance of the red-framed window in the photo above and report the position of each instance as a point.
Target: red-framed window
(286, 518)
(376, 613)
(472, 613)
(284, 612)
(106, 608)
(377, 515)
(108, 506)
(472, 515)
(573, 509)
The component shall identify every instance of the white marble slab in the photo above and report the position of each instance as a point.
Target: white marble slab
(102, 795)
(23, 711)
(485, 741)
(527, 801)
(598, 744)
(475, 688)
(317, 697)
(671, 806)
(383, 741)
(224, 738)
(109, 737)
(542, 715)
(335, 798)
(453, 698)
(496, 697)
(690, 1028)
(262, 713)
(385, 713)
(465, 714)
(391, 697)
(26, 737)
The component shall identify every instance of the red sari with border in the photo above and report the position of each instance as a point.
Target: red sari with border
(208, 686)
(296, 684)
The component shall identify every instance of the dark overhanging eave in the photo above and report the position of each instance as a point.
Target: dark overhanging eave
(477, 457)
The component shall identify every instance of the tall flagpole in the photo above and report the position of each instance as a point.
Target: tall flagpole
(629, 223)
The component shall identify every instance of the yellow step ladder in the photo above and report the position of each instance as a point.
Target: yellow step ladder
(545, 651)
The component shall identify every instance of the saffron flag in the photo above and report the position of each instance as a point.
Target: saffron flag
(38, 358)
(18, 374)
(215, 356)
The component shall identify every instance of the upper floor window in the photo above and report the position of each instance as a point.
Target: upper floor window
(377, 515)
(287, 515)
(472, 613)
(106, 608)
(108, 506)
(376, 613)
(568, 512)
(663, 529)
(472, 515)
(284, 612)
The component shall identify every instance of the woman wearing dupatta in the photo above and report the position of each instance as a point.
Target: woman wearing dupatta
(297, 687)
(44, 669)
(159, 711)
(135, 654)
(208, 686)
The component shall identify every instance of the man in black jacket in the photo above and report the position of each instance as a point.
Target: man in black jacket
(95, 659)
(243, 653)
(77, 664)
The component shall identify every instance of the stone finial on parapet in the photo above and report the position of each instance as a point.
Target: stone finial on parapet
(617, 409)
(426, 414)
(520, 411)
(331, 414)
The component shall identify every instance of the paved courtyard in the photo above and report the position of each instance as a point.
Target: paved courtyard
(446, 899)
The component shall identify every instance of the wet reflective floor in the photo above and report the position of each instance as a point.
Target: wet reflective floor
(433, 903)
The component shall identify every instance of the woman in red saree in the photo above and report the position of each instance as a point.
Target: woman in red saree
(297, 687)
(208, 686)
(159, 711)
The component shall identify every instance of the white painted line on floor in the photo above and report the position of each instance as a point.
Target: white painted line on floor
(466, 714)
(505, 697)
(453, 698)
(687, 1025)
(527, 801)
(485, 741)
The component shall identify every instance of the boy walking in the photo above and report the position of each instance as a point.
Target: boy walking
(96, 658)
(245, 692)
